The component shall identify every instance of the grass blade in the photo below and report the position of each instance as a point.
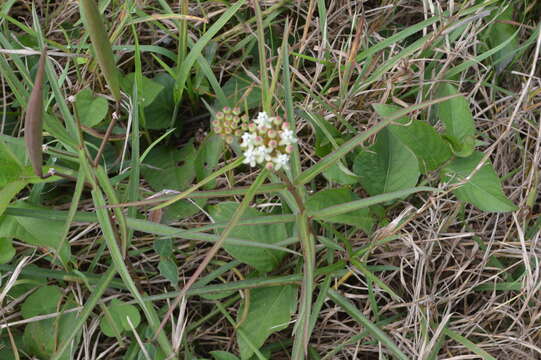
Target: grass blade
(374, 330)
(363, 203)
(102, 47)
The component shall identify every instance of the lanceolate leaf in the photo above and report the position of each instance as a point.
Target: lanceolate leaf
(483, 189)
(33, 123)
(102, 47)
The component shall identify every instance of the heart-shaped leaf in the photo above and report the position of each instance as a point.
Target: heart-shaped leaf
(90, 109)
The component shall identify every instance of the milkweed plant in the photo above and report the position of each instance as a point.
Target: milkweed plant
(265, 141)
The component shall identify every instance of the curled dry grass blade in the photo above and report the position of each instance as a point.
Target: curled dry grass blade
(33, 123)
(102, 47)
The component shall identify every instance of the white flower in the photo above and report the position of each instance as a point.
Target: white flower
(262, 153)
(250, 156)
(281, 161)
(287, 137)
(248, 139)
(263, 120)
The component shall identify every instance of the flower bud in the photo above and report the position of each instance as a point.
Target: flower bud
(217, 129)
(277, 120)
(272, 133)
(238, 132)
(229, 139)
(219, 115)
(269, 166)
(273, 144)
(285, 126)
(236, 111)
(226, 110)
(289, 149)
(245, 118)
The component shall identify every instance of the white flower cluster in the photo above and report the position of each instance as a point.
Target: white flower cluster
(269, 141)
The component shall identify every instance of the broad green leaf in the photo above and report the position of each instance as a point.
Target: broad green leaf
(262, 259)
(241, 86)
(484, 189)
(10, 168)
(498, 33)
(169, 168)
(7, 251)
(119, 313)
(150, 90)
(168, 269)
(387, 166)
(338, 174)
(330, 197)
(43, 301)
(420, 137)
(172, 169)
(158, 114)
(223, 355)
(31, 231)
(8, 192)
(270, 311)
(6, 347)
(90, 109)
(456, 115)
(164, 247)
(41, 338)
(208, 155)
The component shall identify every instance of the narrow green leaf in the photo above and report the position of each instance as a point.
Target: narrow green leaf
(335, 199)
(374, 330)
(347, 207)
(102, 47)
(468, 344)
(196, 50)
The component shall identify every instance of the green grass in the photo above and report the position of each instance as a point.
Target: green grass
(404, 226)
